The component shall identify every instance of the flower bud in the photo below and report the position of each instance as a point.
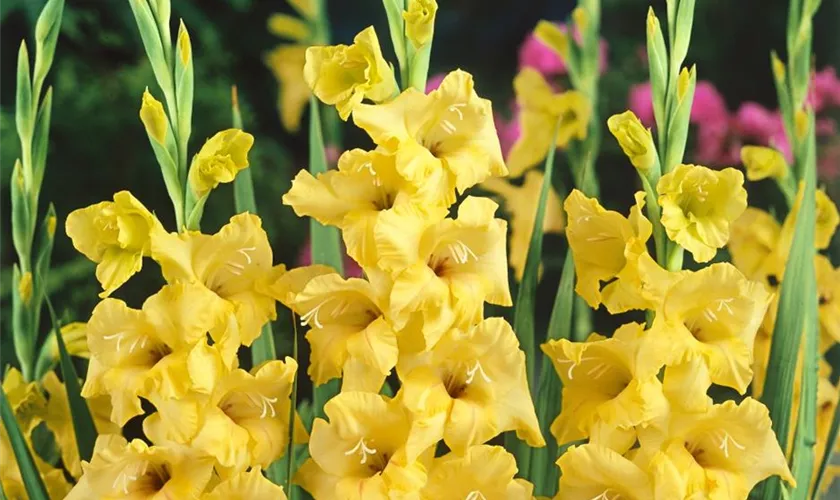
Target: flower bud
(25, 287)
(420, 22)
(635, 140)
(153, 118)
(553, 37)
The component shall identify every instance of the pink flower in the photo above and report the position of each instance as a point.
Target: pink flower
(708, 105)
(508, 130)
(825, 89)
(754, 121)
(434, 81)
(641, 103)
(351, 268)
(828, 165)
(534, 54)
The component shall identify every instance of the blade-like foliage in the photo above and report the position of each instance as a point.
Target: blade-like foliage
(29, 473)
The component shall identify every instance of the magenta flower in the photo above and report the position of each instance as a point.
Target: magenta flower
(825, 89)
(641, 103)
(434, 81)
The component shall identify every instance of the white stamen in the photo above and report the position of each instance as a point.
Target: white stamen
(244, 252)
(235, 268)
(267, 405)
(312, 316)
(724, 304)
(340, 309)
(724, 444)
(118, 336)
(475, 495)
(461, 252)
(598, 370)
(573, 365)
(362, 449)
(455, 109)
(368, 166)
(605, 496)
(709, 315)
(447, 126)
(477, 369)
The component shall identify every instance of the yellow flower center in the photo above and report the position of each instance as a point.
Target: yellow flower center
(237, 267)
(456, 252)
(458, 380)
(605, 495)
(475, 495)
(145, 477)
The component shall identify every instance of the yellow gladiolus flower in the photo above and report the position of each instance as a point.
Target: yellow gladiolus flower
(60, 422)
(827, 221)
(482, 472)
(286, 63)
(245, 421)
(140, 353)
(286, 26)
(448, 134)
(762, 162)
(251, 485)
(445, 270)
(540, 111)
(723, 452)
(115, 235)
(348, 334)
(343, 75)
(521, 203)
(368, 449)
(420, 22)
(715, 313)
(234, 263)
(635, 140)
(121, 469)
(698, 206)
(26, 400)
(365, 186)
(593, 471)
(753, 239)
(610, 381)
(219, 160)
(12, 481)
(606, 245)
(471, 386)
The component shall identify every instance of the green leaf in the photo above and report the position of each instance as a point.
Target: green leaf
(243, 185)
(263, 348)
(792, 317)
(326, 241)
(83, 425)
(29, 473)
(802, 462)
(831, 442)
(543, 473)
(523, 316)
(42, 263)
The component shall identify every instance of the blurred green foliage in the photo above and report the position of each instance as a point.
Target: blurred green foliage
(98, 145)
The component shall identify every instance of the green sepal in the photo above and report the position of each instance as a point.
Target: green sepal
(41, 141)
(21, 327)
(21, 216)
(658, 64)
(184, 91)
(196, 210)
(396, 27)
(678, 124)
(23, 98)
(46, 238)
(46, 37)
(682, 32)
(30, 476)
(150, 35)
(162, 11)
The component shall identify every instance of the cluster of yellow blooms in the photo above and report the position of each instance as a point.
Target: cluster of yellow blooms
(419, 308)
(215, 425)
(641, 396)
